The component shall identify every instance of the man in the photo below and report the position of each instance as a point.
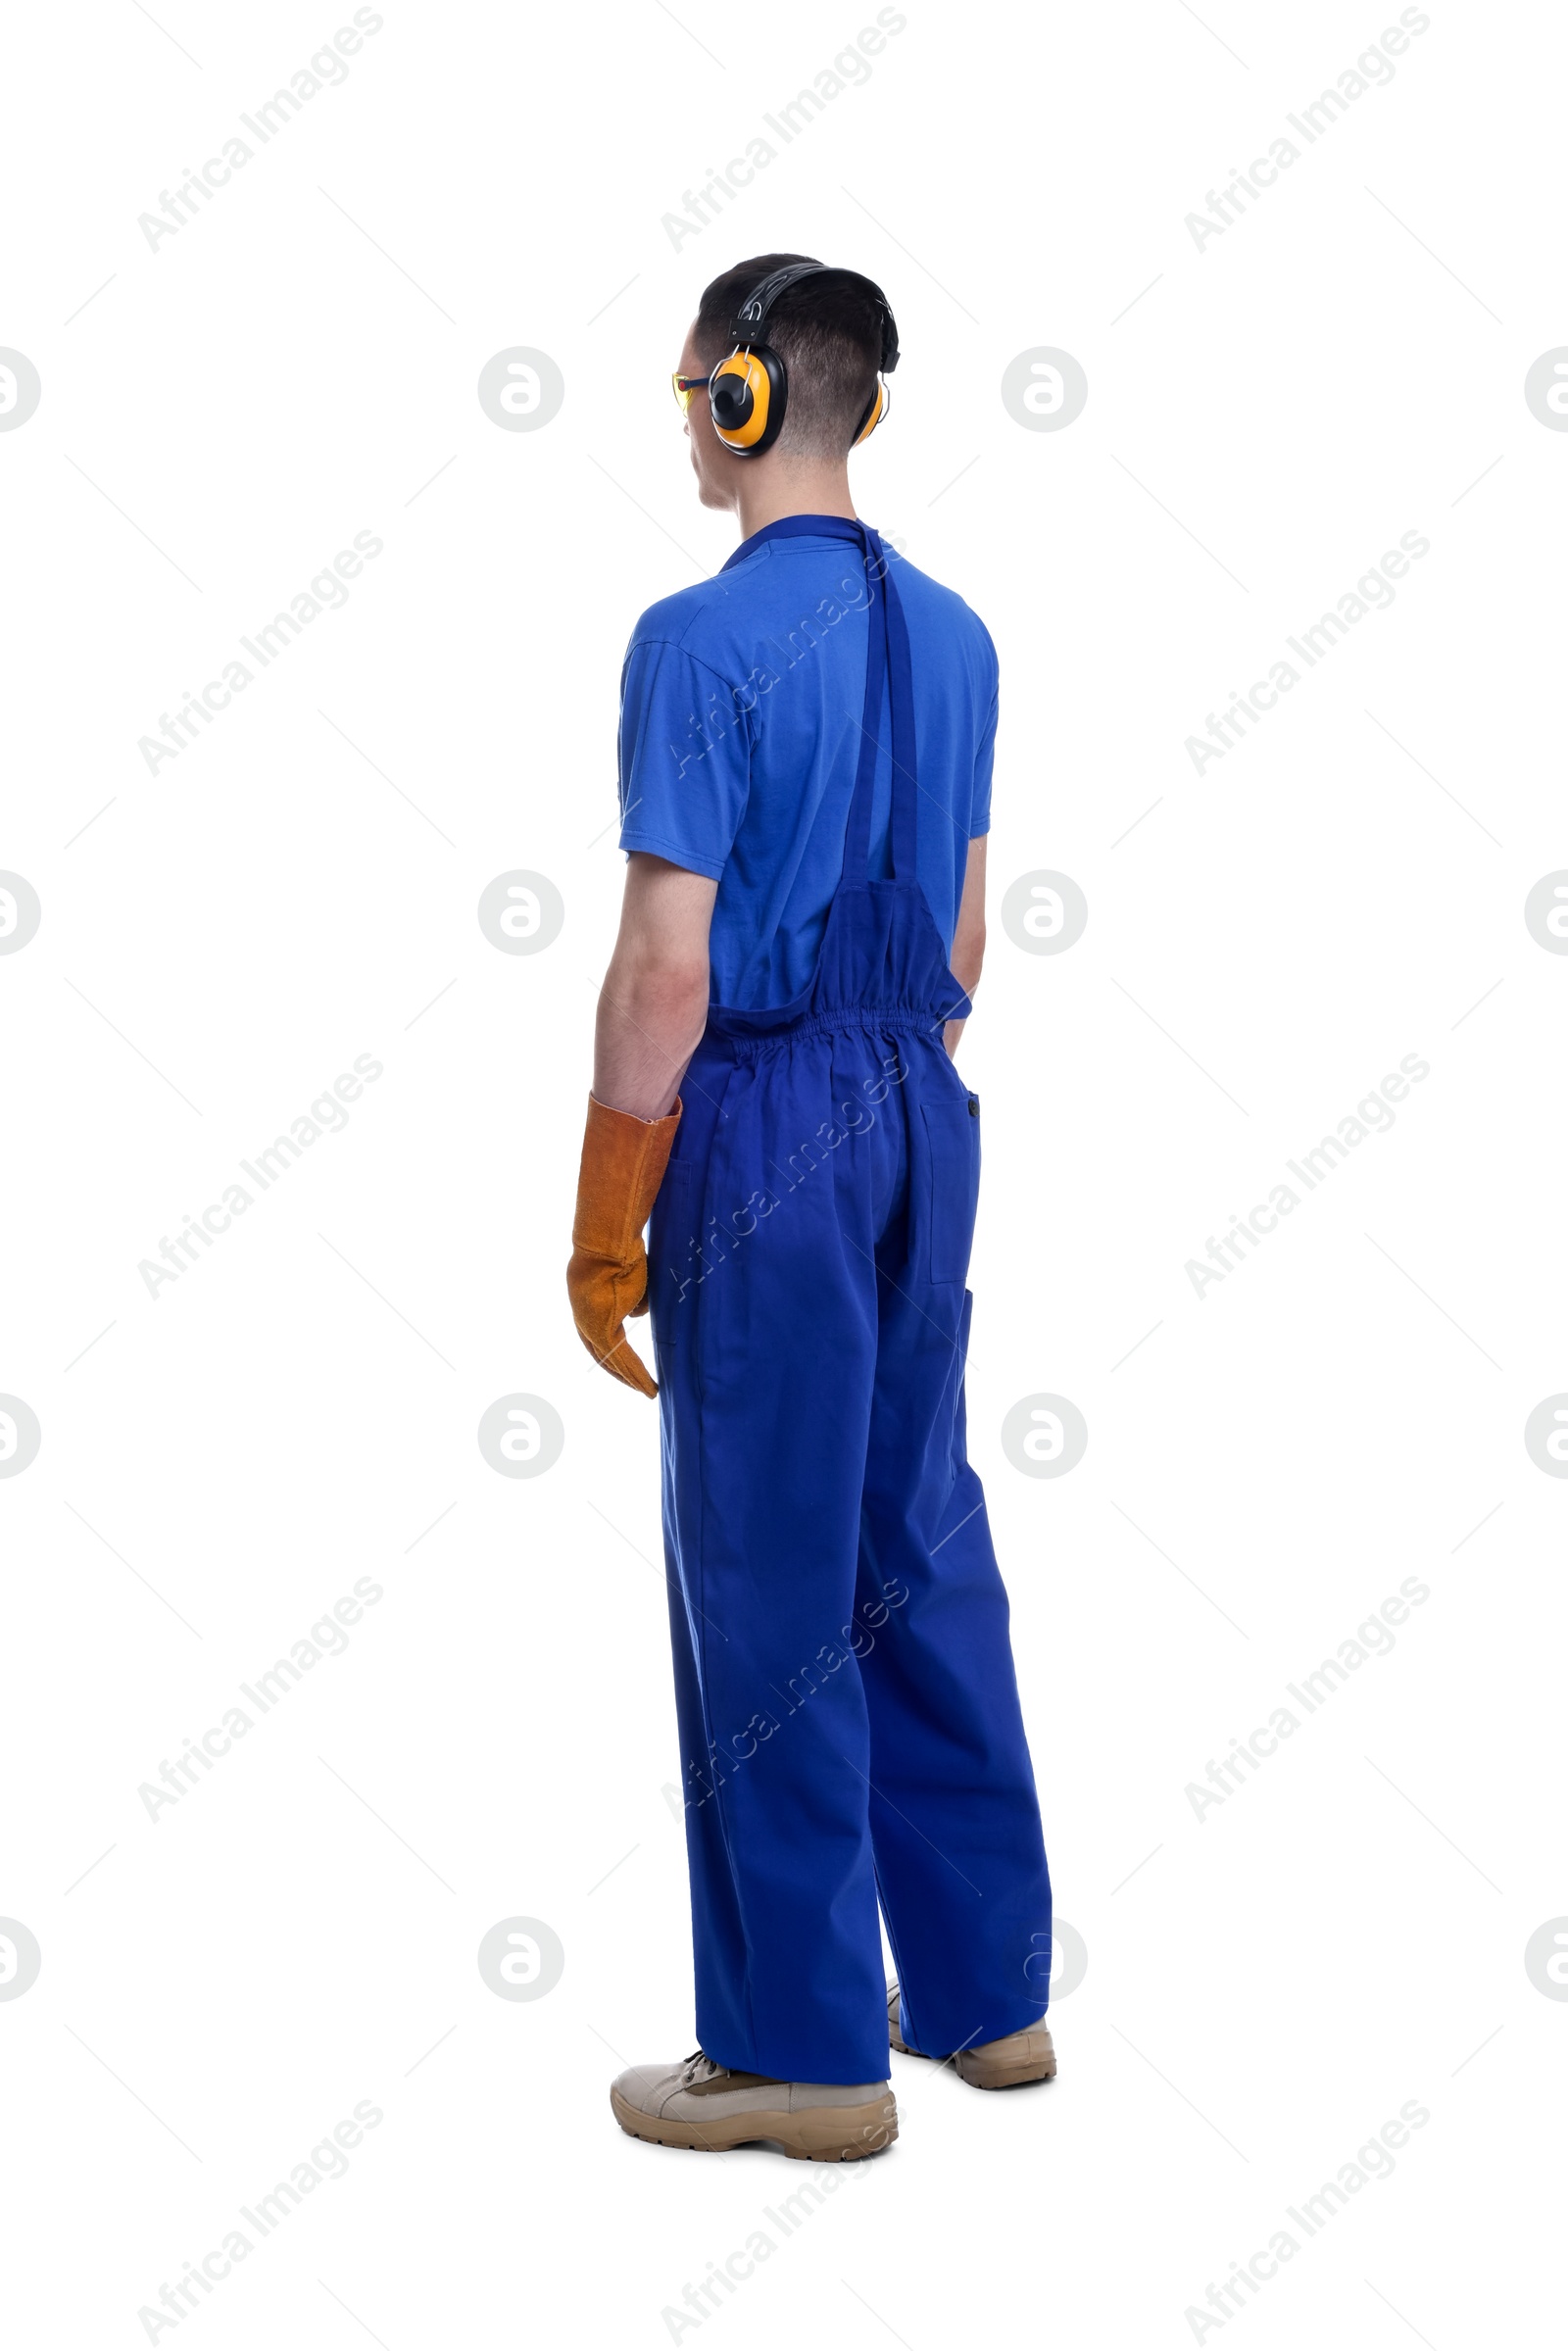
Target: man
(806, 750)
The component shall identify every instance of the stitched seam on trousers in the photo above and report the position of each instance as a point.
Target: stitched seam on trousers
(668, 1330)
(698, 1392)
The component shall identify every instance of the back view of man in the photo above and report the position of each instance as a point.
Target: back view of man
(805, 752)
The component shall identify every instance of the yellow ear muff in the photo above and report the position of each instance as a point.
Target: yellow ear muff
(873, 415)
(739, 397)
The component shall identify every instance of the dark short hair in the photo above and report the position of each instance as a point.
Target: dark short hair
(828, 332)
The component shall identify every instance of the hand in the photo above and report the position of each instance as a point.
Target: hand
(623, 1162)
(603, 1294)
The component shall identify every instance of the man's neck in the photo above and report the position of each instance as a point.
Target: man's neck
(764, 496)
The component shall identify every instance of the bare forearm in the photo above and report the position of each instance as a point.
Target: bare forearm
(653, 1007)
(966, 969)
(968, 936)
(652, 1014)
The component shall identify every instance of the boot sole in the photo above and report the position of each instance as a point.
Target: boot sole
(981, 2075)
(817, 2135)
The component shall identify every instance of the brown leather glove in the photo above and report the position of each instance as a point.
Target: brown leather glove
(623, 1162)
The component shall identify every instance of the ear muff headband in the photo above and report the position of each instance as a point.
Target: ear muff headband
(748, 392)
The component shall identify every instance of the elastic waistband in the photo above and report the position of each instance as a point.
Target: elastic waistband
(888, 1020)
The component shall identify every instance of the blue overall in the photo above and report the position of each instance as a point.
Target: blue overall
(847, 1710)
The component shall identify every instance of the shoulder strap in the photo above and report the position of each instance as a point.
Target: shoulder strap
(887, 665)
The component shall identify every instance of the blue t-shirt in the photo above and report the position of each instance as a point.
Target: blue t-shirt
(741, 705)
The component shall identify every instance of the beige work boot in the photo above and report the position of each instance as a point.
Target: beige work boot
(702, 2105)
(1003, 2064)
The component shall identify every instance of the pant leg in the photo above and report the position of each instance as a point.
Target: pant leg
(767, 1343)
(955, 1818)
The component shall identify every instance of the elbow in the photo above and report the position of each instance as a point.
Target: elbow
(674, 979)
(663, 984)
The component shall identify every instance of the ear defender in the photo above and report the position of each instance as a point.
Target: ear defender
(876, 408)
(747, 395)
(748, 392)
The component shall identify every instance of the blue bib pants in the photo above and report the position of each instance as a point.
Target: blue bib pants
(847, 1710)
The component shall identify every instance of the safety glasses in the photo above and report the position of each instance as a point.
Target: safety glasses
(685, 385)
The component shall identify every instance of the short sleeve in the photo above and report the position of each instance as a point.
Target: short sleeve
(984, 760)
(685, 758)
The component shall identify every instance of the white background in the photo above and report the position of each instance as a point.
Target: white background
(1266, 417)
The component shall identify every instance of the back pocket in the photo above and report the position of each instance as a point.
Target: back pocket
(952, 1134)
